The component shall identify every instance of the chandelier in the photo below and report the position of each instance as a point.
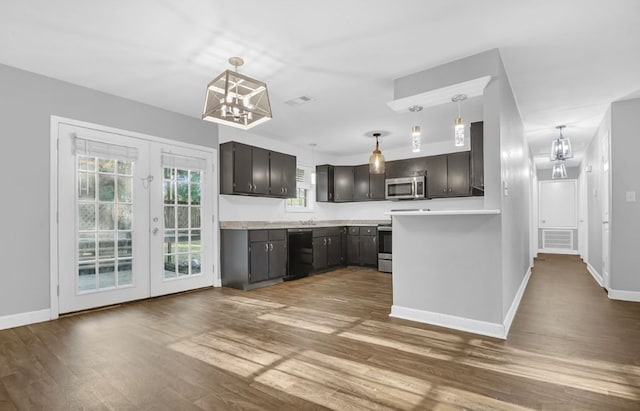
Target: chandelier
(236, 100)
(561, 147)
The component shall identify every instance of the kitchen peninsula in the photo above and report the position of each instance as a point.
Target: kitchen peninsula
(446, 268)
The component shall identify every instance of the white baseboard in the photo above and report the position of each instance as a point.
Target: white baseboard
(595, 274)
(558, 251)
(624, 295)
(17, 320)
(511, 314)
(449, 321)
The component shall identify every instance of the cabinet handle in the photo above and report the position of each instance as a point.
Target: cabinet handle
(325, 241)
(255, 187)
(250, 187)
(329, 239)
(281, 190)
(330, 196)
(271, 247)
(450, 189)
(266, 247)
(444, 190)
(286, 190)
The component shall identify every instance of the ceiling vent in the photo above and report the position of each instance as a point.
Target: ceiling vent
(298, 101)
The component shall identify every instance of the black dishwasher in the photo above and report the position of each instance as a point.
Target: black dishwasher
(300, 253)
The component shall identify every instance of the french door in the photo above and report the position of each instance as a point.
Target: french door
(135, 218)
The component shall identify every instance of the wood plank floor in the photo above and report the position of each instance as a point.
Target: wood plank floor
(326, 342)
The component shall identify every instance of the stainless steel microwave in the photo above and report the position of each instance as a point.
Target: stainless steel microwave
(405, 188)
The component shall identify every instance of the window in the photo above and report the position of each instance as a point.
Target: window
(303, 202)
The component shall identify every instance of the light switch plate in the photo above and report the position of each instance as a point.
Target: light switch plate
(631, 196)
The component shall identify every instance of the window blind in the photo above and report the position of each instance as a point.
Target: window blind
(183, 162)
(92, 148)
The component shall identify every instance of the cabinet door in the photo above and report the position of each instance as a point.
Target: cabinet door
(333, 250)
(368, 250)
(282, 174)
(260, 170)
(319, 253)
(324, 183)
(277, 259)
(258, 261)
(289, 181)
(242, 171)
(276, 177)
(353, 249)
(437, 176)
(458, 174)
(361, 183)
(376, 186)
(342, 183)
(343, 245)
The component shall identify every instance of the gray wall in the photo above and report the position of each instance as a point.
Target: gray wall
(625, 177)
(515, 176)
(27, 102)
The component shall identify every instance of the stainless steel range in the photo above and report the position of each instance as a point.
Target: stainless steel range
(384, 248)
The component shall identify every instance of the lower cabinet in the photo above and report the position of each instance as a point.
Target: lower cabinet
(362, 246)
(327, 248)
(253, 258)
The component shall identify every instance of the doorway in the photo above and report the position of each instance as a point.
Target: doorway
(136, 217)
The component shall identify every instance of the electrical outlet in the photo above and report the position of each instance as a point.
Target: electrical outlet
(631, 196)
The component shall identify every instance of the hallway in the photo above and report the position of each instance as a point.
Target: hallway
(326, 342)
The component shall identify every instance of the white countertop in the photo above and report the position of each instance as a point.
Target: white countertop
(429, 212)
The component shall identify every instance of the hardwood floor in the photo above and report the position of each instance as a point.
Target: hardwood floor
(326, 342)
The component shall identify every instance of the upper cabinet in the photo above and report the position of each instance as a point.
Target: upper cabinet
(282, 172)
(249, 170)
(367, 186)
(448, 175)
(334, 184)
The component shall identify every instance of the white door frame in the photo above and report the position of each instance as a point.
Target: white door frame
(53, 198)
(583, 215)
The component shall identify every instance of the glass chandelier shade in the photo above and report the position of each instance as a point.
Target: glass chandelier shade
(458, 132)
(415, 139)
(236, 100)
(558, 171)
(458, 129)
(415, 130)
(376, 160)
(561, 147)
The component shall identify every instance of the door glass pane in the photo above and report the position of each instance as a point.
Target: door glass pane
(105, 221)
(182, 218)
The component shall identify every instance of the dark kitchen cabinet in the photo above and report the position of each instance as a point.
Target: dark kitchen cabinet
(247, 170)
(477, 158)
(367, 186)
(362, 246)
(253, 258)
(268, 254)
(410, 167)
(334, 184)
(282, 175)
(327, 248)
(448, 175)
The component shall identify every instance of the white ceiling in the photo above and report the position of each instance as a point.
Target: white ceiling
(567, 60)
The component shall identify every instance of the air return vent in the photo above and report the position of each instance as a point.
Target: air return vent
(557, 239)
(298, 101)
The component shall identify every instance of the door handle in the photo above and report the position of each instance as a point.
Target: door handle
(156, 231)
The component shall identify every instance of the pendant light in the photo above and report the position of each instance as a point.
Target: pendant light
(376, 160)
(415, 131)
(236, 100)
(558, 171)
(458, 123)
(561, 147)
(313, 171)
